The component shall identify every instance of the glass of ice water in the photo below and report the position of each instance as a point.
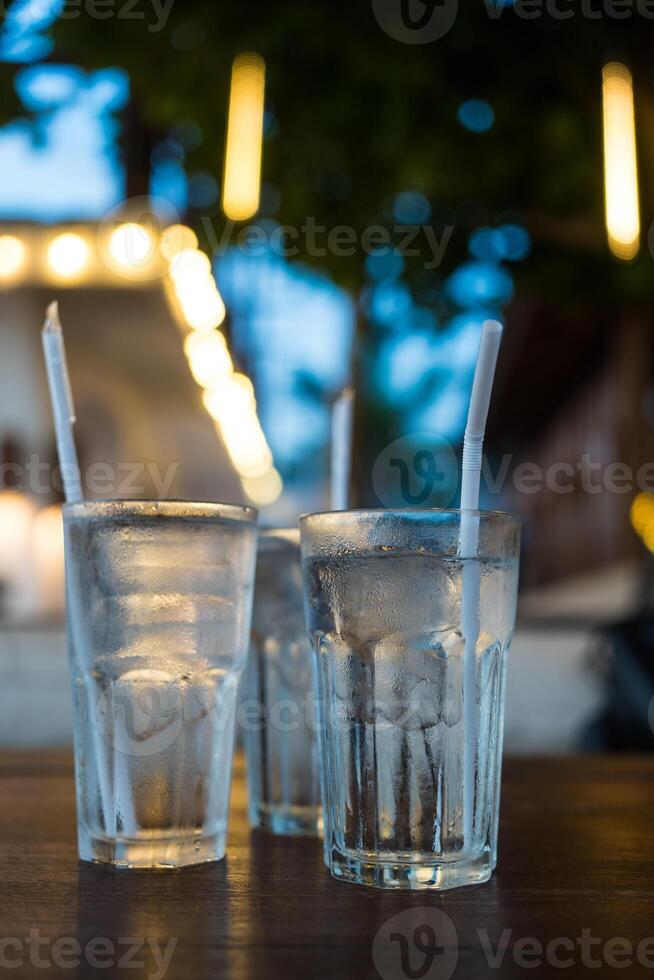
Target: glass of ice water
(385, 596)
(281, 737)
(159, 602)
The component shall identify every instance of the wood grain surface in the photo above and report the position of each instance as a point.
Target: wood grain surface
(576, 860)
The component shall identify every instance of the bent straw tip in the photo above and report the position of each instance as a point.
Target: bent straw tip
(52, 321)
(492, 327)
(346, 394)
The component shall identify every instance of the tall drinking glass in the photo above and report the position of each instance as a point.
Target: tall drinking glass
(281, 741)
(159, 601)
(385, 596)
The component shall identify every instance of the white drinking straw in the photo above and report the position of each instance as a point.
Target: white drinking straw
(61, 397)
(473, 445)
(63, 411)
(341, 452)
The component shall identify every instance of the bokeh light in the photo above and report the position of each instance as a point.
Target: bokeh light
(411, 208)
(13, 255)
(509, 241)
(478, 283)
(620, 162)
(233, 398)
(68, 256)
(476, 115)
(242, 178)
(642, 518)
(208, 358)
(189, 265)
(263, 490)
(132, 246)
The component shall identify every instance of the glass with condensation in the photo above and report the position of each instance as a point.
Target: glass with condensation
(391, 633)
(159, 601)
(281, 735)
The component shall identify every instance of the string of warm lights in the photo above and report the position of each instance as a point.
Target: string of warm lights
(128, 253)
(228, 396)
(134, 253)
(65, 257)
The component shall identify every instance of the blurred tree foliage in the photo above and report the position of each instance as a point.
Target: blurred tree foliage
(355, 116)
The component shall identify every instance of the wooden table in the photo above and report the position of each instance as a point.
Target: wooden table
(577, 853)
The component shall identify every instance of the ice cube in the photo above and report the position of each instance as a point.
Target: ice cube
(412, 681)
(351, 677)
(383, 594)
(418, 679)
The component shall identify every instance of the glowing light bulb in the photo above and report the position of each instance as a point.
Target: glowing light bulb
(132, 246)
(242, 177)
(253, 461)
(12, 257)
(189, 266)
(68, 256)
(203, 307)
(230, 400)
(208, 357)
(620, 164)
(246, 443)
(263, 490)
